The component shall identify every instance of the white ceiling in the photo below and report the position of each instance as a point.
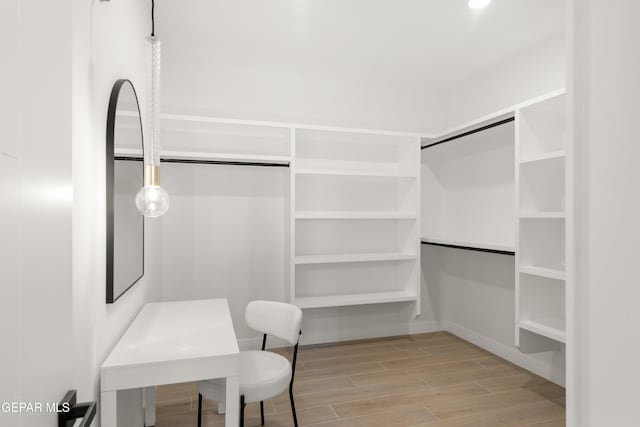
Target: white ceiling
(429, 43)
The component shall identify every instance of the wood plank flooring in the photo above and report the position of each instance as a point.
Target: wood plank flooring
(433, 380)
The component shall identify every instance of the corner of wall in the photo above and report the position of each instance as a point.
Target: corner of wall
(537, 70)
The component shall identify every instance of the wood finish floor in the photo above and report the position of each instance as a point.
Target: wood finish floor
(433, 380)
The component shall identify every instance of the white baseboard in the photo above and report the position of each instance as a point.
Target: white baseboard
(424, 326)
(324, 337)
(372, 331)
(511, 354)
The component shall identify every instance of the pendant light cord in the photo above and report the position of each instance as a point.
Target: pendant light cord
(153, 21)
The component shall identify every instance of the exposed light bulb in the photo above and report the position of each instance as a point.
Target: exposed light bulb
(478, 4)
(152, 201)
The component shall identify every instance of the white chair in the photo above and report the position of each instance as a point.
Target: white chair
(263, 374)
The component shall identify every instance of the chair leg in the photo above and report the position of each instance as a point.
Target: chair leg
(242, 411)
(261, 413)
(293, 406)
(199, 410)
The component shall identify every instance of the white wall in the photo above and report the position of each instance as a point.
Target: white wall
(109, 43)
(530, 73)
(605, 94)
(10, 316)
(218, 90)
(474, 295)
(217, 266)
(223, 236)
(35, 207)
(234, 246)
(474, 292)
(60, 60)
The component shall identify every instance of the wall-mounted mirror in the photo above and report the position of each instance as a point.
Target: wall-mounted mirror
(125, 176)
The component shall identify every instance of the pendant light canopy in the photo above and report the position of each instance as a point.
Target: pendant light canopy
(152, 200)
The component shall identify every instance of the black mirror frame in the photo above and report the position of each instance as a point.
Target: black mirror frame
(110, 183)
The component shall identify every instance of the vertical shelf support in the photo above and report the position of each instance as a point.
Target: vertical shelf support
(417, 309)
(292, 219)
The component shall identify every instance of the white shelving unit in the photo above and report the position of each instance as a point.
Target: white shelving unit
(362, 257)
(354, 201)
(355, 299)
(207, 139)
(355, 208)
(543, 272)
(548, 215)
(499, 184)
(208, 157)
(552, 328)
(362, 173)
(544, 156)
(354, 215)
(541, 278)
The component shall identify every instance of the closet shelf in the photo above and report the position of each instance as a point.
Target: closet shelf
(541, 214)
(354, 215)
(549, 327)
(352, 177)
(182, 155)
(351, 172)
(355, 299)
(359, 257)
(470, 245)
(128, 152)
(210, 157)
(543, 156)
(549, 273)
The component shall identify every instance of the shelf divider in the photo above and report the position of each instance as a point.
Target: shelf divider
(354, 215)
(355, 299)
(550, 328)
(192, 156)
(542, 215)
(549, 273)
(543, 156)
(354, 172)
(355, 257)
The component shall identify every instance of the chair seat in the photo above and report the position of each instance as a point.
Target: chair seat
(263, 375)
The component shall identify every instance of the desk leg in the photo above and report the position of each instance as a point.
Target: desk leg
(109, 408)
(149, 406)
(232, 414)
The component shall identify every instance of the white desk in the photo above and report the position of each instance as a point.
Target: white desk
(173, 342)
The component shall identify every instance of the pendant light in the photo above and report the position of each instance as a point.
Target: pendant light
(152, 200)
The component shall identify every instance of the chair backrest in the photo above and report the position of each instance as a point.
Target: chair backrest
(275, 318)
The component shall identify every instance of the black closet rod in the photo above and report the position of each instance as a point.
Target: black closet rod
(471, 132)
(471, 248)
(210, 162)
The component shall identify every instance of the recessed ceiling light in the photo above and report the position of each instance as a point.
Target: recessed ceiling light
(477, 4)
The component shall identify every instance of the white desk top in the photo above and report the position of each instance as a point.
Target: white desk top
(173, 334)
